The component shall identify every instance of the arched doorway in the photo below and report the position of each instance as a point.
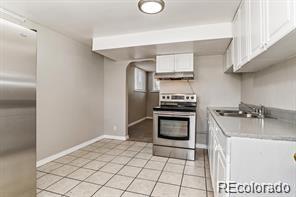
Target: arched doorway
(142, 96)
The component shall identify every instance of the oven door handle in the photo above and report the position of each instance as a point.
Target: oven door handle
(174, 114)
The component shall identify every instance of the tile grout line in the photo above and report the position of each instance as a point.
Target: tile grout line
(128, 146)
(130, 177)
(62, 177)
(182, 178)
(124, 165)
(69, 173)
(113, 176)
(66, 176)
(126, 176)
(134, 178)
(159, 176)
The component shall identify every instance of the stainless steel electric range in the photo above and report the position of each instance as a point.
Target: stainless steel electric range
(174, 126)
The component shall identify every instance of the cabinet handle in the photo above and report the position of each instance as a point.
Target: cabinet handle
(295, 156)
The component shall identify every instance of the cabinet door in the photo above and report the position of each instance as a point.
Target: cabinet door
(256, 19)
(228, 57)
(210, 142)
(236, 41)
(214, 169)
(165, 64)
(280, 19)
(244, 36)
(221, 172)
(184, 62)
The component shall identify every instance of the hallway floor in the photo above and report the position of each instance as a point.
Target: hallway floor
(141, 132)
(113, 168)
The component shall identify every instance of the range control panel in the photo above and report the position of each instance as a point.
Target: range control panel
(178, 97)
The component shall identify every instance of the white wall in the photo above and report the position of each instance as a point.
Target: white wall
(115, 98)
(70, 87)
(212, 86)
(152, 96)
(273, 87)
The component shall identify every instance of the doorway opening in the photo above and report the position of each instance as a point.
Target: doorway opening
(143, 95)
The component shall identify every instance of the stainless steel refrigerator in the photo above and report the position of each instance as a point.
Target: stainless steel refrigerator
(17, 110)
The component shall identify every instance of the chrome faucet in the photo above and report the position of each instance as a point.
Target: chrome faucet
(258, 111)
(261, 111)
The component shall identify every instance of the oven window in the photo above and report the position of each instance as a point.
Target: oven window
(175, 128)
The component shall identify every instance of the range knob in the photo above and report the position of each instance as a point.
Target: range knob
(168, 97)
(163, 97)
(192, 97)
(187, 97)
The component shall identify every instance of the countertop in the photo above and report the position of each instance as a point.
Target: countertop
(267, 128)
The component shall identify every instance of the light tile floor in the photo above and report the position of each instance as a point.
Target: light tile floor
(123, 168)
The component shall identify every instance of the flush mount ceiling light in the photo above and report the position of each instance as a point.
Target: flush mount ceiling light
(151, 6)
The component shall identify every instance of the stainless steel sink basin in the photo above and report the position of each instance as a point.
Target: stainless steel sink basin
(235, 113)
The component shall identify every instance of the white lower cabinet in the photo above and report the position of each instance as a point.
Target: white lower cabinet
(210, 143)
(242, 160)
(216, 148)
(221, 172)
(214, 165)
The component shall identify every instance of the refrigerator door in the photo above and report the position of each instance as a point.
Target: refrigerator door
(17, 111)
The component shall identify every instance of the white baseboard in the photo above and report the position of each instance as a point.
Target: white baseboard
(84, 144)
(68, 151)
(115, 137)
(201, 146)
(77, 147)
(136, 122)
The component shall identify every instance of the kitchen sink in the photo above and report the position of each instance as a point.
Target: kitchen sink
(236, 113)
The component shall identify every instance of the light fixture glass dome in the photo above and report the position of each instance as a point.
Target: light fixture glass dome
(151, 6)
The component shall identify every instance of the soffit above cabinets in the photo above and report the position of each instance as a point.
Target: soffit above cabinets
(205, 47)
(201, 40)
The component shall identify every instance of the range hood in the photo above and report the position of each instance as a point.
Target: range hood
(175, 76)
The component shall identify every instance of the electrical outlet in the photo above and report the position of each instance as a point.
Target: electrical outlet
(114, 128)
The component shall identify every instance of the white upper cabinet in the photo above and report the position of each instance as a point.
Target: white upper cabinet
(280, 17)
(240, 37)
(236, 40)
(184, 62)
(259, 24)
(165, 64)
(244, 26)
(174, 63)
(256, 28)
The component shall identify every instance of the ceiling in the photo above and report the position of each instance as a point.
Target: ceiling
(84, 19)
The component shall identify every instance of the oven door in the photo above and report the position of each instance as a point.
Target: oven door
(176, 129)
